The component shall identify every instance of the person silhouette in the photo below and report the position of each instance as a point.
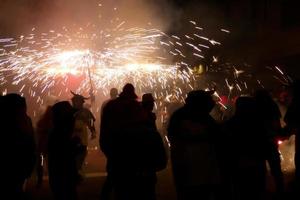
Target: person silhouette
(248, 150)
(148, 104)
(62, 168)
(84, 122)
(118, 126)
(107, 188)
(123, 133)
(154, 150)
(194, 136)
(18, 145)
(269, 114)
(43, 128)
(113, 95)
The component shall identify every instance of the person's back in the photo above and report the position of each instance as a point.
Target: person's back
(193, 134)
(268, 111)
(122, 137)
(107, 189)
(269, 114)
(113, 95)
(154, 155)
(126, 124)
(19, 145)
(248, 150)
(43, 128)
(61, 153)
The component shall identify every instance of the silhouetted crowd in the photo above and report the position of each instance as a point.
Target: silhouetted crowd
(210, 160)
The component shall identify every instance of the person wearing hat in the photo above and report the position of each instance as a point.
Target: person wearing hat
(84, 123)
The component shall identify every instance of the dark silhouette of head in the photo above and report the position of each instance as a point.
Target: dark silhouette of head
(296, 89)
(148, 101)
(61, 112)
(263, 97)
(15, 103)
(128, 92)
(200, 101)
(245, 107)
(113, 93)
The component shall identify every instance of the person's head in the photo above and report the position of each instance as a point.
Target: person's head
(113, 93)
(284, 97)
(61, 112)
(15, 103)
(148, 101)
(128, 92)
(200, 100)
(296, 89)
(78, 100)
(263, 96)
(245, 106)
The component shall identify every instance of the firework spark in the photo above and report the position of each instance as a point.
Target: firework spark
(54, 62)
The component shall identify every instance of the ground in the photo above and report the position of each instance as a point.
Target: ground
(95, 175)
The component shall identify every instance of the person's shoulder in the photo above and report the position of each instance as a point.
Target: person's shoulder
(180, 112)
(104, 103)
(112, 103)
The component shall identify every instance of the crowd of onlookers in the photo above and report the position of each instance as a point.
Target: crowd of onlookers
(209, 159)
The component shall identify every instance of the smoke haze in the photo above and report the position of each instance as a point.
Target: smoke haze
(18, 16)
